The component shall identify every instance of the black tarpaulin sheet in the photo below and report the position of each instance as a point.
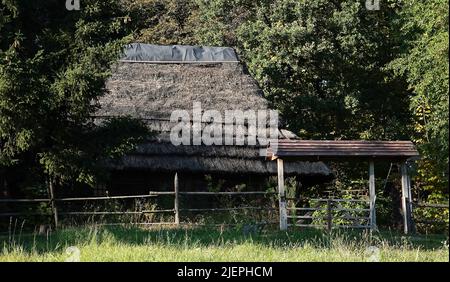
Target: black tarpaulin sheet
(139, 52)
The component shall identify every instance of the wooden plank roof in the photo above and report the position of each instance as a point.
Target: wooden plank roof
(338, 150)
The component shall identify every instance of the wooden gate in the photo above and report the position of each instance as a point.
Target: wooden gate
(331, 213)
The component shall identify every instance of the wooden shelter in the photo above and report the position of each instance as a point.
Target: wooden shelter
(371, 151)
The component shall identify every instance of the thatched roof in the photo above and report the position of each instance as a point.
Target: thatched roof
(152, 90)
(197, 164)
(163, 156)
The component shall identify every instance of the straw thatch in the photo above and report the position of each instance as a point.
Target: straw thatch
(151, 91)
(219, 165)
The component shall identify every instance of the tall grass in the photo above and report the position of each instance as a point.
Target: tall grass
(220, 244)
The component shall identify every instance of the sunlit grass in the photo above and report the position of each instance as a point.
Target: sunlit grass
(210, 244)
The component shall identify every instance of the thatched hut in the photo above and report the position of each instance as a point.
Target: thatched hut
(150, 82)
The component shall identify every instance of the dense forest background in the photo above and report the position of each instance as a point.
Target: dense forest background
(333, 69)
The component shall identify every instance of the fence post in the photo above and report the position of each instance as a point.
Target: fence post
(406, 200)
(373, 215)
(282, 195)
(176, 200)
(53, 202)
(329, 216)
(411, 211)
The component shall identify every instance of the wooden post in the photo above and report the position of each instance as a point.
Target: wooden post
(329, 216)
(176, 200)
(406, 200)
(373, 216)
(412, 226)
(282, 195)
(53, 202)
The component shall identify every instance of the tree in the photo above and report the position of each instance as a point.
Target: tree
(53, 67)
(424, 64)
(320, 63)
(163, 21)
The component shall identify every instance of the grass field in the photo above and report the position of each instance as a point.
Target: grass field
(212, 244)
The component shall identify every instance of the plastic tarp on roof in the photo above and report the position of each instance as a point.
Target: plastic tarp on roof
(139, 52)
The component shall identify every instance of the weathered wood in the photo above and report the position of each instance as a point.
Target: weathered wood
(406, 187)
(337, 200)
(282, 195)
(176, 200)
(351, 210)
(291, 209)
(306, 217)
(226, 209)
(114, 213)
(160, 193)
(53, 202)
(25, 200)
(306, 209)
(372, 196)
(151, 195)
(305, 149)
(319, 150)
(105, 198)
(329, 216)
(18, 214)
(228, 193)
(412, 226)
(357, 218)
(182, 223)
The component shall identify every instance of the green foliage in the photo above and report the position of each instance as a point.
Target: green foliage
(163, 21)
(424, 64)
(53, 67)
(82, 156)
(320, 64)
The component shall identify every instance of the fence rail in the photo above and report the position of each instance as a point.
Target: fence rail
(106, 198)
(324, 206)
(176, 210)
(24, 200)
(228, 193)
(115, 212)
(331, 205)
(332, 200)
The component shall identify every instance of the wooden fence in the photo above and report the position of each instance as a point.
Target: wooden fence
(324, 212)
(56, 204)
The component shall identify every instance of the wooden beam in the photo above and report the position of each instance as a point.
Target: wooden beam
(329, 217)
(53, 202)
(226, 193)
(373, 216)
(412, 225)
(282, 195)
(176, 200)
(406, 199)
